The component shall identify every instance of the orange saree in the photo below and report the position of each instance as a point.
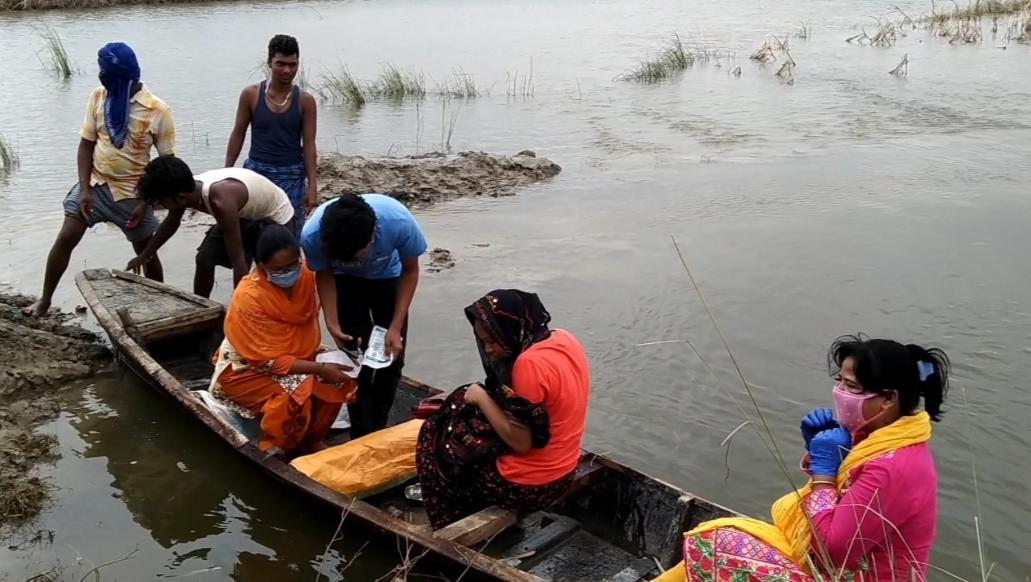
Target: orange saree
(266, 333)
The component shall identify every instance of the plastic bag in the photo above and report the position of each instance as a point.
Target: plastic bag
(368, 465)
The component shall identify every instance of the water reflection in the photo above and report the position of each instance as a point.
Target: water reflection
(195, 499)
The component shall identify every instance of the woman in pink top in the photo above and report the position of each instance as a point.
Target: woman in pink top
(869, 510)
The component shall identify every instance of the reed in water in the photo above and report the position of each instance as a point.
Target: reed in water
(9, 159)
(671, 59)
(56, 61)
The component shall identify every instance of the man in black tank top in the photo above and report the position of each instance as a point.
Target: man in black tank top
(282, 121)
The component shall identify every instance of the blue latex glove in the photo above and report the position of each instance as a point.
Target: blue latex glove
(818, 420)
(827, 450)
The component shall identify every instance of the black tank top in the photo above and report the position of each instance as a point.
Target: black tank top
(276, 137)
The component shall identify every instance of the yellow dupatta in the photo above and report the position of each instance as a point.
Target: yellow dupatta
(790, 533)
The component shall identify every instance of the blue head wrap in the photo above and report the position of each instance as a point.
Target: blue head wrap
(119, 71)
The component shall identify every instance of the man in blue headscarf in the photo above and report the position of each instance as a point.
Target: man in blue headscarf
(124, 120)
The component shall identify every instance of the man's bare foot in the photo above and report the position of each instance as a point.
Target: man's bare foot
(37, 309)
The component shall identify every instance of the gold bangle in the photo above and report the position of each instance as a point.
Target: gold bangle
(824, 482)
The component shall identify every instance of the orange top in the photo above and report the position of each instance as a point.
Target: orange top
(553, 371)
(267, 328)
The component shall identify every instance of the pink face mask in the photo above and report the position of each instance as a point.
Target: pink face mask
(849, 409)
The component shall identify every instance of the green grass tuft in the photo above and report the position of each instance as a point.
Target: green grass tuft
(9, 159)
(398, 85)
(56, 61)
(671, 59)
(342, 87)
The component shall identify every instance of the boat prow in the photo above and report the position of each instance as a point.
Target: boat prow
(614, 524)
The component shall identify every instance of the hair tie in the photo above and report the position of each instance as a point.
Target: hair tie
(925, 369)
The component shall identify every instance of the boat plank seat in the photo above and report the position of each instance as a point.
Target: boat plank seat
(485, 524)
(479, 526)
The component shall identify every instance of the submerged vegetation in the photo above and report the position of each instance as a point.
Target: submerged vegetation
(341, 87)
(773, 49)
(958, 25)
(395, 84)
(9, 160)
(55, 58)
(671, 59)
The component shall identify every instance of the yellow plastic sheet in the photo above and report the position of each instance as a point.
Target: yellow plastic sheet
(368, 465)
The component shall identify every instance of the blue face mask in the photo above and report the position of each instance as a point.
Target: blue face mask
(286, 280)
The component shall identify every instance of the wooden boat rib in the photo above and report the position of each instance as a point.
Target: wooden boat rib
(615, 524)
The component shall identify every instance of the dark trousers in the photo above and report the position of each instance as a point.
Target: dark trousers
(361, 304)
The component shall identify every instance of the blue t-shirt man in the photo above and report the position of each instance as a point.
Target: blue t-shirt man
(365, 251)
(397, 236)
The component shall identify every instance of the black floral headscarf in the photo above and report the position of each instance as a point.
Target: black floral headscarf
(516, 320)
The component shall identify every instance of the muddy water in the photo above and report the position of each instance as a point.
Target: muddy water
(848, 201)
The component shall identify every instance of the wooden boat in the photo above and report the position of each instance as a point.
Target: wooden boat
(615, 524)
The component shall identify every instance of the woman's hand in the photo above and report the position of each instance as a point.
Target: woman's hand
(815, 422)
(334, 373)
(827, 450)
(475, 395)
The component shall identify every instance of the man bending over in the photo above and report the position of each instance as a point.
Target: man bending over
(236, 197)
(365, 251)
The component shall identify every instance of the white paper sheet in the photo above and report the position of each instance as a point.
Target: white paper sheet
(339, 357)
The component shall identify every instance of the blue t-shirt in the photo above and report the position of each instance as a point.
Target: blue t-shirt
(397, 236)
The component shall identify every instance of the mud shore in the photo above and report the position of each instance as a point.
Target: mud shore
(37, 358)
(426, 179)
(423, 180)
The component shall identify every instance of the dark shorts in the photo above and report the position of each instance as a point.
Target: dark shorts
(106, 209)
(212, 249)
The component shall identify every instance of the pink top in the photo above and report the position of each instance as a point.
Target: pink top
(885, 520)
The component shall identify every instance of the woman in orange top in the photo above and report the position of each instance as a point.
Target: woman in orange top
(266, 366)
(513, 441)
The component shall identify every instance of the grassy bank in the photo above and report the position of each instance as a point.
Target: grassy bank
(18, 5)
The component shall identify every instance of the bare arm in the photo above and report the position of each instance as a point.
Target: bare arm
(325, 282)
(239, 133)
(308, 130)
(84, 163)
(406, 286)
(225, 209)
(165, 231)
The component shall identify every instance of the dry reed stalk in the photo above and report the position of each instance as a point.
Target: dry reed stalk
(773, 48)
(447, 127)
(516, 87)
(902, 70)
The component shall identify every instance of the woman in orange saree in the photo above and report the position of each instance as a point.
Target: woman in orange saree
(266, 365)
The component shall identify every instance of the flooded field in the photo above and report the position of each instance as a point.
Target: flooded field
(838, 198)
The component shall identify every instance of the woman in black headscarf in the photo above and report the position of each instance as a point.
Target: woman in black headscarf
(514, 439)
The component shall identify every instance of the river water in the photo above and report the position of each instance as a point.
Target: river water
(849, 201)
